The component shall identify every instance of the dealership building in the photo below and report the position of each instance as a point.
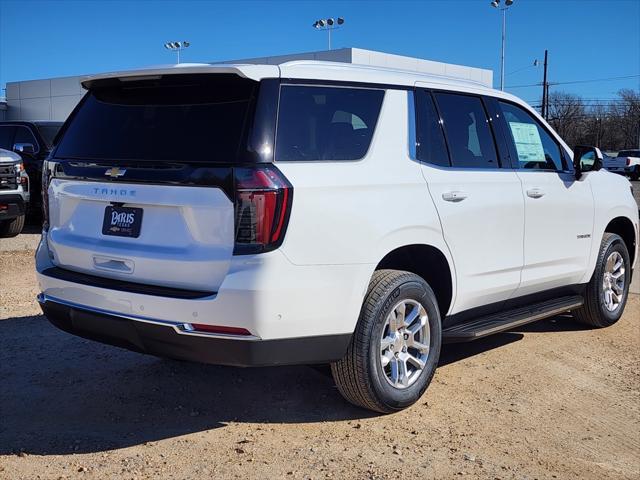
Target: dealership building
(55, 98)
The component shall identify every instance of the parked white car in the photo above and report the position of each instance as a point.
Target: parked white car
(631, 159)
(317, 212)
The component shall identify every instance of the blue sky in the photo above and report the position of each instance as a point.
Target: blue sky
(587, 39)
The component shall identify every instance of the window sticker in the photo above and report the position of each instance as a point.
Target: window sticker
(528, 142)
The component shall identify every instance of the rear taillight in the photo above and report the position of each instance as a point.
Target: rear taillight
(628, 161)
(45, 195)
(262, 206)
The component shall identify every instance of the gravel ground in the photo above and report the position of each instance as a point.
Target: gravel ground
(551, 400)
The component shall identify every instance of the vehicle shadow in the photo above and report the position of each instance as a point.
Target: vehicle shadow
(61, 394)
(454, 352)
(559, 323)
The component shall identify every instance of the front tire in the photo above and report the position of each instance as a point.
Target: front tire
(607, 291)
(11, 228)
(395, 348)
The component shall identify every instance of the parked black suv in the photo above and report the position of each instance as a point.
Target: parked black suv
(33, 142)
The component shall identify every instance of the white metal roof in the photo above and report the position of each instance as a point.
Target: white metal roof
(299, 69)
(345, 64)
(346, 72)
(315, 70)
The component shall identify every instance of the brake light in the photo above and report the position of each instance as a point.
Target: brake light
(628, 161)
(45, 195)
(262, 206)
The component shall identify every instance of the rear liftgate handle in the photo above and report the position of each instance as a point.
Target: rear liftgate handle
(454, 196)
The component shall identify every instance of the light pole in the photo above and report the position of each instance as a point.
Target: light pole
(507, 4)
(176, 47)
(328, 24)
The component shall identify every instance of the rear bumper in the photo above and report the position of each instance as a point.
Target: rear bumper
(11, 206)
(167, 339)
(264, 294)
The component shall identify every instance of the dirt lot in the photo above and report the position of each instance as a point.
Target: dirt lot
(552, 400)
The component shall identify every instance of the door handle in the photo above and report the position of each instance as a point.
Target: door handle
(454, 196)
(535, 193)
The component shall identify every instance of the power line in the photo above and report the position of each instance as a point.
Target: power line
(577, 81)
(586, 103)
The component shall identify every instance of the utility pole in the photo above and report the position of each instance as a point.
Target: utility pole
(504, 38)
(545, 89)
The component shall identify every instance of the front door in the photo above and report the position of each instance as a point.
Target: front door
(558, 208)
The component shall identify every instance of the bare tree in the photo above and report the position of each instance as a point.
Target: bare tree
(613, 126)
(627, 113)
(566, 115)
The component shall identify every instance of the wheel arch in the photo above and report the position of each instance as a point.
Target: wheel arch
(624, 227)
(428, 262)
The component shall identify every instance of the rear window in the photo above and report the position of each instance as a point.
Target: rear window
(194, 118)
(326, 123)
(629, 153)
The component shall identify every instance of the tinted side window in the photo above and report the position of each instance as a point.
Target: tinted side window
(326, 123)
(534, 147)
(24, 135)
(468, 133)
(430, 144)
(6, 136)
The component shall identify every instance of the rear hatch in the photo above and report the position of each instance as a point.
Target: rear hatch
(143, 181)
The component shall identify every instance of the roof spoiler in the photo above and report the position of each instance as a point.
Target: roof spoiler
(251, 72)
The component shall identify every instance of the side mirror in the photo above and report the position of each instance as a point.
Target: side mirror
(27, 148)
(586, 159)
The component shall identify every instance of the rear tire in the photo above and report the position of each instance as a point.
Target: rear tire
(395, 348)
(11, 228)
(607, 291)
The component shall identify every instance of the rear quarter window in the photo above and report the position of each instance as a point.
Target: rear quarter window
(318, 123)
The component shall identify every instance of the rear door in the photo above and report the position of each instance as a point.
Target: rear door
(480, 204)
(558, 208)
(144, 180)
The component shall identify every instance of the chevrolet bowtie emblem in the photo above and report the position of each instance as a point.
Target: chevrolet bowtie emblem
(115, 172)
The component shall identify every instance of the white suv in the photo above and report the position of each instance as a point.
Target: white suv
(316, 212)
